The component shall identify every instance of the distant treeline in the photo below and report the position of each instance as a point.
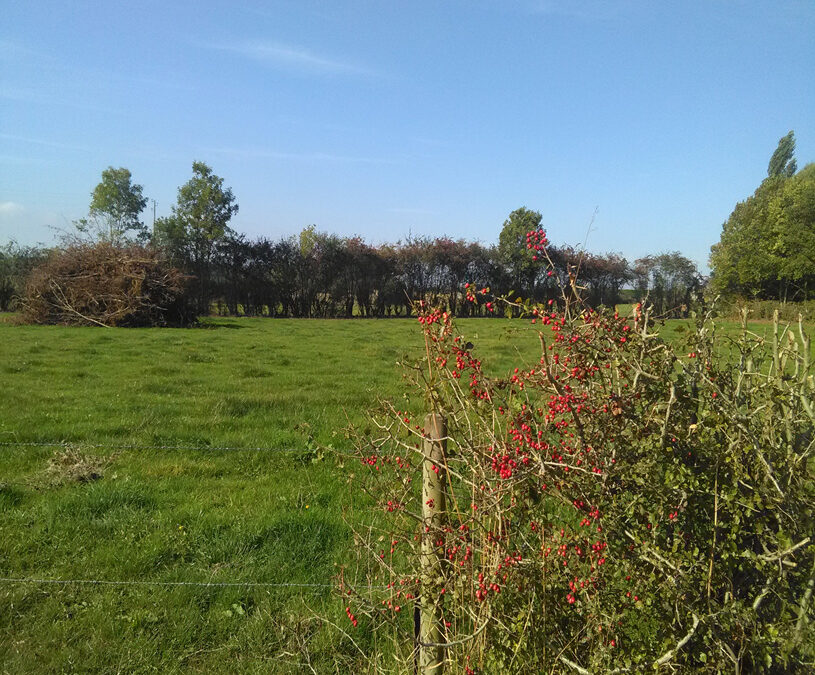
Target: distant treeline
(324, 275)
(766, 252)
(113, 271)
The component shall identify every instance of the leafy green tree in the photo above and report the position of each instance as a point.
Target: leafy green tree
(744, 261)
(767, 246)
(512, 248)
(199, 222)
(783, 163)
(791, 215)
(116, 203)
(308, 239)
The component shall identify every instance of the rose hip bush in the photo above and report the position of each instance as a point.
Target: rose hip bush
(612, 506)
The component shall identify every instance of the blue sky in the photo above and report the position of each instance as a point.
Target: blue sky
(384, 119)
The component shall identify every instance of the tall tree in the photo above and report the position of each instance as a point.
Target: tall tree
(792, 218)
(757, 255)
(512, 248)
(783, 163)
(200, 221)
(116, 204)
(767, 247)
(744, 261)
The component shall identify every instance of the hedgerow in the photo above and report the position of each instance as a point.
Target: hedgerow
(614, 506)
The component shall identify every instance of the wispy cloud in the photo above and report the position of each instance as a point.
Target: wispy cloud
(252, 153)
(10, 208)
(43, 142)
(53, 95)
(290, 57)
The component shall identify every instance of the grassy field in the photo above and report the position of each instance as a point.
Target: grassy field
(211, 493)
(193, 513)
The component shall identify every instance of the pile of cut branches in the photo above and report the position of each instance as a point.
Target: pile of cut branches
(106, 285)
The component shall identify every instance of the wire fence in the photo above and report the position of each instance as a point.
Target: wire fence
(136, 446)
(143, 447)
(305, 587)
(146, 583)
(170, 584)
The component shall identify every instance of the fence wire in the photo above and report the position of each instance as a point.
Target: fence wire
(172, 584)
(312, 587)
(140, 582)
(136, 446)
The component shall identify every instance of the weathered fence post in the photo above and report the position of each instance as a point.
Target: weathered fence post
(431, 657)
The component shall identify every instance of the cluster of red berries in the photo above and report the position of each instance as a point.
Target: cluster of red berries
(435, 316)
(470, 293)
(536, 241)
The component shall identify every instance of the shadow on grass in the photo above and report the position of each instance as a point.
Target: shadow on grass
(212, 324)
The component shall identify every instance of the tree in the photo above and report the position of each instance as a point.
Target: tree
(783, 163)
(116, 203)
(767, 249)
(450, 265)
(743, 262)
(669, 280)
(791, 216)
(512, 248)
(601, 277)
(367, 273)
(200, 221)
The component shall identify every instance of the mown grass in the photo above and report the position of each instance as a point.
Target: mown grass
(158, 512)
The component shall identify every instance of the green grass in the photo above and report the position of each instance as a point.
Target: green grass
(243, 382)
(176, 514)
(168, 514)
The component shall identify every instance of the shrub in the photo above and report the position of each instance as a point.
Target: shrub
(16, 263)
(764, 310)
(615, 506)
(109, 285)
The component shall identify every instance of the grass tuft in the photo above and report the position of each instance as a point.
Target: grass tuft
(70, 465)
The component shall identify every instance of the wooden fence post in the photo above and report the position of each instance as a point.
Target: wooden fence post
(431, 658)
